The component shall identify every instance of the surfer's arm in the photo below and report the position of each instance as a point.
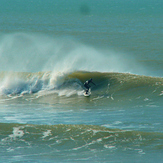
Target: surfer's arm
(93, 83)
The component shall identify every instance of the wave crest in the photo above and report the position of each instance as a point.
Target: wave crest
(109, 86)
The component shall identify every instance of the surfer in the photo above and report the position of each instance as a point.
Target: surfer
(87, 86)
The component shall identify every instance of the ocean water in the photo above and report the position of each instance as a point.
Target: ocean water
(49, 48)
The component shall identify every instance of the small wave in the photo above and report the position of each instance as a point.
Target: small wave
(76, 137)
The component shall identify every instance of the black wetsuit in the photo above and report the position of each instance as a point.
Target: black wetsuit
(87, 86)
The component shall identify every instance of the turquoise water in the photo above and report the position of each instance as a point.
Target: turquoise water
(48, 49)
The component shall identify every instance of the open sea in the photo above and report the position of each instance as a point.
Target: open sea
(49, 48)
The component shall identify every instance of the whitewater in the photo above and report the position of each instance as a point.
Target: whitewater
(48, 49)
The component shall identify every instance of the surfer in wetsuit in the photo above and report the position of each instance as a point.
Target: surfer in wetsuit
(87, 86)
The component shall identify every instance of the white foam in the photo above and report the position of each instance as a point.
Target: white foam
(161, 93)
(109, 146)
(17, 132)
(46, 134)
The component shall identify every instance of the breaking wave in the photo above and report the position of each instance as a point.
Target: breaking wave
(109, 86)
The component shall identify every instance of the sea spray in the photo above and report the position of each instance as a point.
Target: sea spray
(30, 52)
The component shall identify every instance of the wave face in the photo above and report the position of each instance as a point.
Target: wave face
(84, 141)
(112, 87)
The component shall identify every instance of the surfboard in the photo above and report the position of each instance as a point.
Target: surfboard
(87, 94)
